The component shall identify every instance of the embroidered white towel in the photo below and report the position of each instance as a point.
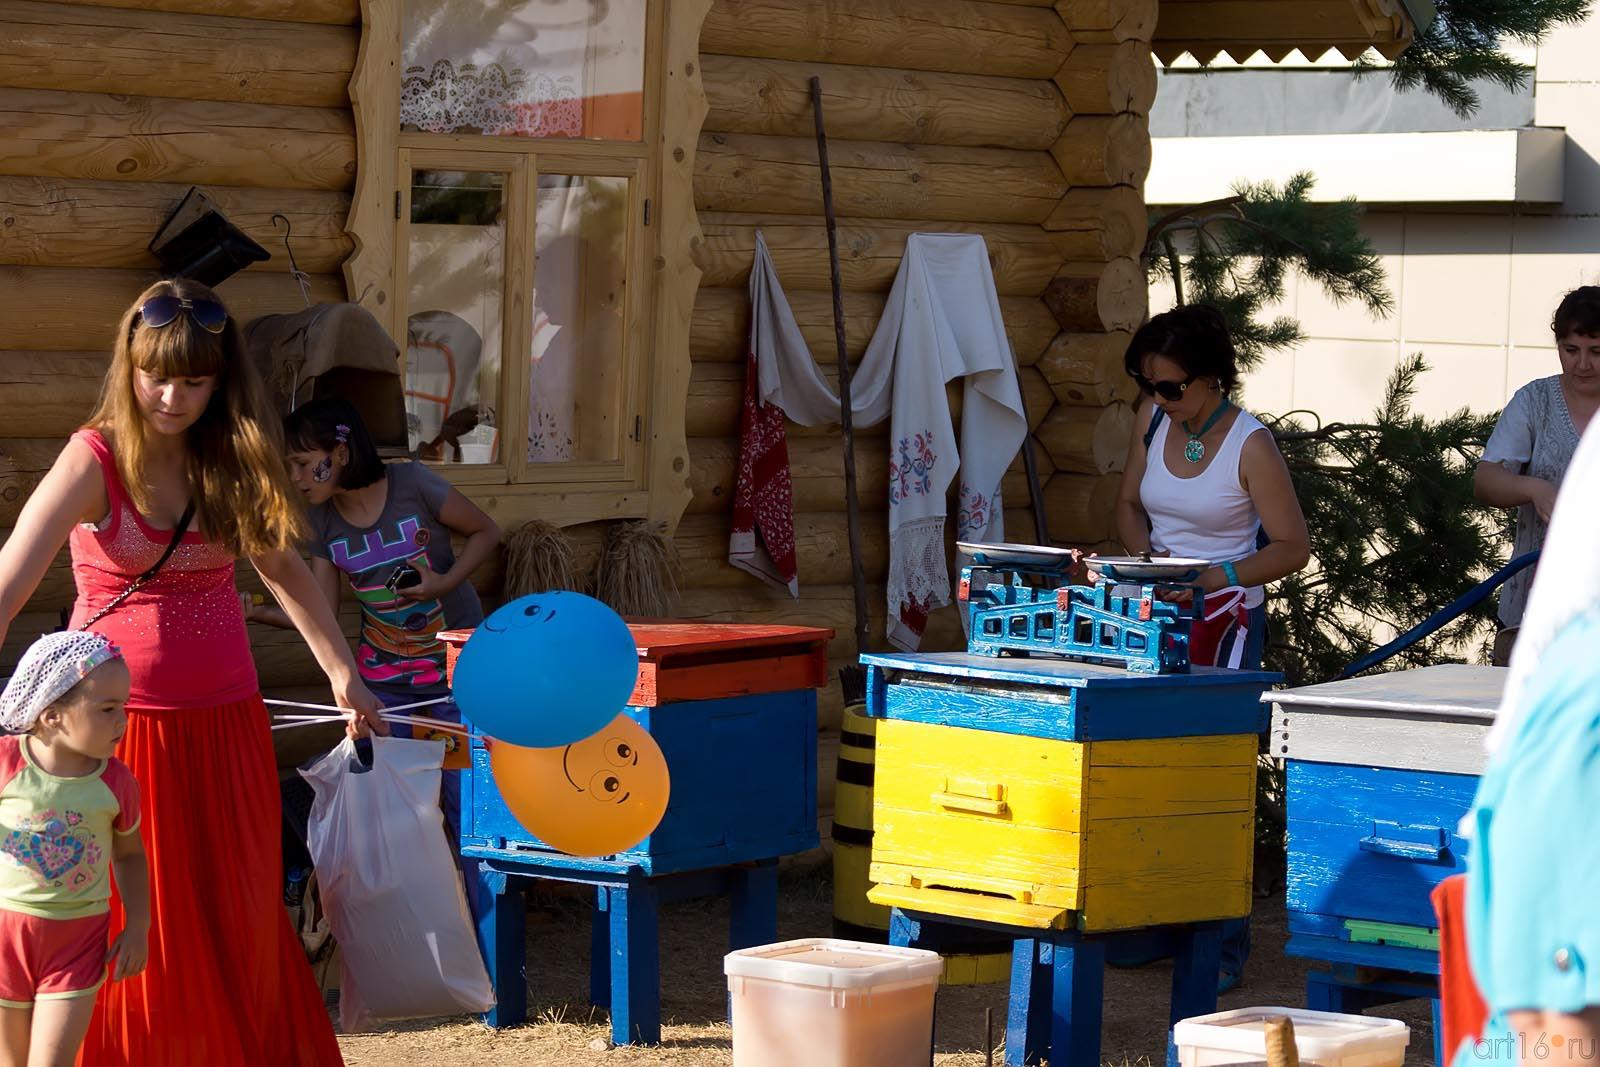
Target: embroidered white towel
(941, 322)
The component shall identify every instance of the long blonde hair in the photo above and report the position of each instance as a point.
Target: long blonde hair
(240, 486)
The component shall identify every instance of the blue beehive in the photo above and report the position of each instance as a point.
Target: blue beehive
(734, 710)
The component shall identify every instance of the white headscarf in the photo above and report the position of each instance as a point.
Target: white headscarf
(1566, 585)
(47, 672)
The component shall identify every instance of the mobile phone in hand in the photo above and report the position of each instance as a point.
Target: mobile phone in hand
(404, 577)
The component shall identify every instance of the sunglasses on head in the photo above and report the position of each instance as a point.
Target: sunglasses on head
(161, 311)
(1170, 391)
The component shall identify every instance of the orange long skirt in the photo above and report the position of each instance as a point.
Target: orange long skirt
(228, 982)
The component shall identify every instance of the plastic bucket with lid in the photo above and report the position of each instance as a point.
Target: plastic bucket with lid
(1324, 1038)
(821, 1002)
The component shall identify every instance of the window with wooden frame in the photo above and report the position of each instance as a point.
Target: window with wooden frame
(524, 265)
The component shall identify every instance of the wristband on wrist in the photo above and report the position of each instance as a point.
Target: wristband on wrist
(1229, 573)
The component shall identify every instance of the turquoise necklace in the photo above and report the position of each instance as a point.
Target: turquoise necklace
(1194, 449)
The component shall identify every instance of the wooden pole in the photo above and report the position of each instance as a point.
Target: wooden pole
(1041, 529)
(852, 505)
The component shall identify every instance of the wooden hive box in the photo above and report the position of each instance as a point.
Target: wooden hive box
(734, 709)
(1048, 794)
(1381, 770)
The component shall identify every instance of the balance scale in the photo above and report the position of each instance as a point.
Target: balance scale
(1137, 615)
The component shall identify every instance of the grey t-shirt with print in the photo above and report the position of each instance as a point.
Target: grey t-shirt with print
(1536, 437)
(399, 652)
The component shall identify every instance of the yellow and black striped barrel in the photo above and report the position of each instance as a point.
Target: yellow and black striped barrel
(854, 916)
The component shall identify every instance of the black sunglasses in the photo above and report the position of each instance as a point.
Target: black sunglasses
(1170, 391)
(161, 311)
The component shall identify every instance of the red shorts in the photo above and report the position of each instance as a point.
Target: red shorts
(51, 959)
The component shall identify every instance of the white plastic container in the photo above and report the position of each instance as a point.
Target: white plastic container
(820, 1002)
(1324, 1038)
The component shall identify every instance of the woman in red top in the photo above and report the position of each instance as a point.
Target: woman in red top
(182, 423)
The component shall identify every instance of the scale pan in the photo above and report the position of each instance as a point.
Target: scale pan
(1016, 555)
(1137, 568)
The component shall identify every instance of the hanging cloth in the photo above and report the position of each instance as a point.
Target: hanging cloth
(762, 540)
(941, 322)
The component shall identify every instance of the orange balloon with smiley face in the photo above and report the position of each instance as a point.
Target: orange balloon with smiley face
(595, 797)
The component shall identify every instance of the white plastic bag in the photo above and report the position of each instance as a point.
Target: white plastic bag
(390, 886)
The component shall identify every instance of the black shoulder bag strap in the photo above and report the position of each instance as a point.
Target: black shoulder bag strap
(139, 582)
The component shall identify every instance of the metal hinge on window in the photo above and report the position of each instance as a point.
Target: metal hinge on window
(397, 204)
(647, 211)
(638, 427)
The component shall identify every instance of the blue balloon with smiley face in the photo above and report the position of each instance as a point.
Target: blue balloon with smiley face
(547, 670)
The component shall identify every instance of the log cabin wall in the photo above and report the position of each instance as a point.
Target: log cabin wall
(1024, 122)
(109, 111)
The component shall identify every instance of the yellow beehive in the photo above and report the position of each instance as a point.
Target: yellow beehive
(1050, 834)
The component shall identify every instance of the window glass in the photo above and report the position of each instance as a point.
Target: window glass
(524, 68)
(457, 281)
(579, 319)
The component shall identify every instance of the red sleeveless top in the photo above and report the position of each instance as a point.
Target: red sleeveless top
(182, 634)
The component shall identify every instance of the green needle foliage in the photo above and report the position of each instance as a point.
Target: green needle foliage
(1462, 46)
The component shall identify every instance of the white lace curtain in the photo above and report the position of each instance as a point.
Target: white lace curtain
(517, 67)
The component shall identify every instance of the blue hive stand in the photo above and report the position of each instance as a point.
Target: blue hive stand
(734, 709)
(1381, 770)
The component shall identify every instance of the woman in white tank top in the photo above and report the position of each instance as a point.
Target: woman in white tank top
(1211, 479)
(1210, 482)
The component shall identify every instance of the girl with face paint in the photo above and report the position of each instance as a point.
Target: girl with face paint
(385, 531)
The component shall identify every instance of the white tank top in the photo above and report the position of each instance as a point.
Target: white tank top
(1207, 517)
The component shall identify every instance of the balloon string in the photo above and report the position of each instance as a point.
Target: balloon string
(346, 711)
(289, 722)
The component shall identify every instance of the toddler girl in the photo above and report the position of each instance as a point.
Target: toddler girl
(68, 808)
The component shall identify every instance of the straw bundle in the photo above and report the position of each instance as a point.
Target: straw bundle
(637, 572)
(539, 558)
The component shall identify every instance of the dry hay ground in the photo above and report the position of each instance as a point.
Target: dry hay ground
(567, 1032)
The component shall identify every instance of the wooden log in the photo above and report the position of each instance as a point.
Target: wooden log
(1110, 21)
(324, 12)
(876, 180)
(1088, 440)
(1101, 150)
(1081, 507)
(720, 329)
(1115, 218)
(23, 462)
(1093, 297)
(154, 53)
(822, 551)
(1108, 79)
(1037, 399)
(77, 310)
(50, 222)
(1023, 258)
(953, 36)
(716, 391)
(49, 394)
(95, 137)
(815, 464)
(1087, 369)
(772, 96)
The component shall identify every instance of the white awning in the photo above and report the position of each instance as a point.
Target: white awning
(1525, 166)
